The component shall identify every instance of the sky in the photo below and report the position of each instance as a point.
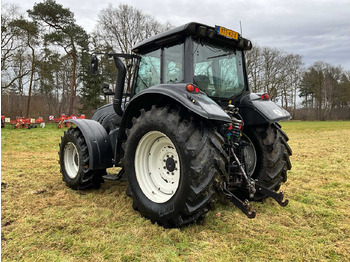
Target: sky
(319, 30)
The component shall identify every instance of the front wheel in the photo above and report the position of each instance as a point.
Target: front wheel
(74, 162)
(173, 162)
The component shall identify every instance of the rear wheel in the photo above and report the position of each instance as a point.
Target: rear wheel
(268, 145)
(173, 162)
(74, 162)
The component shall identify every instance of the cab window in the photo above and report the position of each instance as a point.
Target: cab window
(149, 71)
(218, 70)
(173, 61)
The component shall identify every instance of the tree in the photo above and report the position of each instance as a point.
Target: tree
(49, 71)
(120, 28)
(292, 69)
(10, 45)
(123, 27)
(343, 92)
(274, 72)
(91, 85)
(30, 32)
(66, 34)
(254, 68)
(327, 86)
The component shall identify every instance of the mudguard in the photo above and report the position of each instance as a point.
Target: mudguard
(199, 103)
(98, 143)
(254, 110)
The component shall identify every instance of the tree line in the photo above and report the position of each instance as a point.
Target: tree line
(46, 55)
(318, 92)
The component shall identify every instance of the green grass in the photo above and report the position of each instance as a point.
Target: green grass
(43, 220)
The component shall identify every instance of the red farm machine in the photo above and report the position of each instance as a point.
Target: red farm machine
(61, 120)
(22, 122)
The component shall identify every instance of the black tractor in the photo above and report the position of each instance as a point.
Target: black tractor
(185, 127)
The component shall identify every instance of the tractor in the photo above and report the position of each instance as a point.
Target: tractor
(184, 129)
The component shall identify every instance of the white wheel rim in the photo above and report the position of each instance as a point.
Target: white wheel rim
(157, 167)
(71, 160)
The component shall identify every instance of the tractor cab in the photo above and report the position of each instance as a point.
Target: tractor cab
(210, 58)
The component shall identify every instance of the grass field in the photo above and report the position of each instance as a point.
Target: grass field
(43, 220)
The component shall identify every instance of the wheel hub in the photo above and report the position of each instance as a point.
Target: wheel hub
(170, 164)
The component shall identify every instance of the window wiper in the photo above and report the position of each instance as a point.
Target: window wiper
(227, 54)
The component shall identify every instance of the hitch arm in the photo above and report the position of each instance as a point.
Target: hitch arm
(276, 196)
(244, 206)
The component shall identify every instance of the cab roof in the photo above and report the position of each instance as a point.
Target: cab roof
(191, 29)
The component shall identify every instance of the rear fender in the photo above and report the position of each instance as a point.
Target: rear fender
(255, 110)
(198, 103)
(98, 143)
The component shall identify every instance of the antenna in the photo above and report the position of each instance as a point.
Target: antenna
(240, 25)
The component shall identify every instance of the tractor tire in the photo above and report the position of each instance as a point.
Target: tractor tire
(174, 163)
(74, 162)
(272, 156)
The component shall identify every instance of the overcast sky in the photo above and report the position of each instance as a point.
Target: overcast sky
(315, 29)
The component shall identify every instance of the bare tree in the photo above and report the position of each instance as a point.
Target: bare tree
(120, 28)
(10, 44)
(22, 68)
(274, 72)
(255, 68)
(290, 75)
(29, 32)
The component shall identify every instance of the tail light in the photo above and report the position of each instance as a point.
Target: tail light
(191, 88)
(265, 96)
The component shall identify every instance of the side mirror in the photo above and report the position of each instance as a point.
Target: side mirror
(106, 90)
(94, 65)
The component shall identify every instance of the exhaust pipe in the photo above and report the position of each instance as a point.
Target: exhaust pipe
(119, 87)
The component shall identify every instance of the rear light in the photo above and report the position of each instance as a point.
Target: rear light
(191, 88)
(265, 96)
